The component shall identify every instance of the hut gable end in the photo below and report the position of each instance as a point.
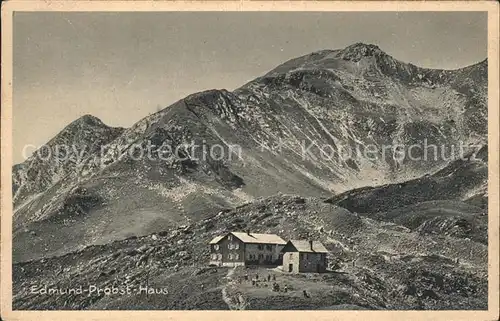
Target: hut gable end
(289, 247)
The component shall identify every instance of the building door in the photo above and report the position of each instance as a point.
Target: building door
(290, 267)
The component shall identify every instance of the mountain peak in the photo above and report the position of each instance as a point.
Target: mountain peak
(359, 50)
(87, 127)
(360, 46)
(88, 119)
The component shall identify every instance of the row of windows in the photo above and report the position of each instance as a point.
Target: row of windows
(216, 256)
(235, 246)
(268, 257)
(253, 257)
(306, 256)
(230, 256)
(234, 256)
(231, 246)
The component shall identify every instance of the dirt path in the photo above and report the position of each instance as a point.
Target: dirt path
(230, 294)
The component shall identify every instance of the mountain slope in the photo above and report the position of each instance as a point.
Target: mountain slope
(303, 128)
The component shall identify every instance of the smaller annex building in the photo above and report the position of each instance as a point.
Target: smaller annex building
(246, 249)
(304, 256)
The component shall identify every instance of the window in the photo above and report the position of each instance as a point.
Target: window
(261, 256)
(269, 247)
(236, 256)
(230, 237)
(214, 256)
(291, 256)
(236, 246)
(219, 256)
(230, 246)
(260, 247)
(216, 247)
(230, 256)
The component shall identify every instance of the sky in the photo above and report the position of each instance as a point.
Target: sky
(120, 67)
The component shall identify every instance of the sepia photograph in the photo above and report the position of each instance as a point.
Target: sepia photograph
(250, 159)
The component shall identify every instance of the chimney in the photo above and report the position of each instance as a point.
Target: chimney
(311, 244)
(248, 232)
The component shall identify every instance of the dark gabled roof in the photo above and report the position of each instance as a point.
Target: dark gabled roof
(305, 246)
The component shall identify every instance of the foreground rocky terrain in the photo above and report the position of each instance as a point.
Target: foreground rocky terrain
(403, 233)
(374, 265)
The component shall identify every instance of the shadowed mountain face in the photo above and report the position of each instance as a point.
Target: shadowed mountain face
(460, 180)
(318, 125)
(452, 201)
